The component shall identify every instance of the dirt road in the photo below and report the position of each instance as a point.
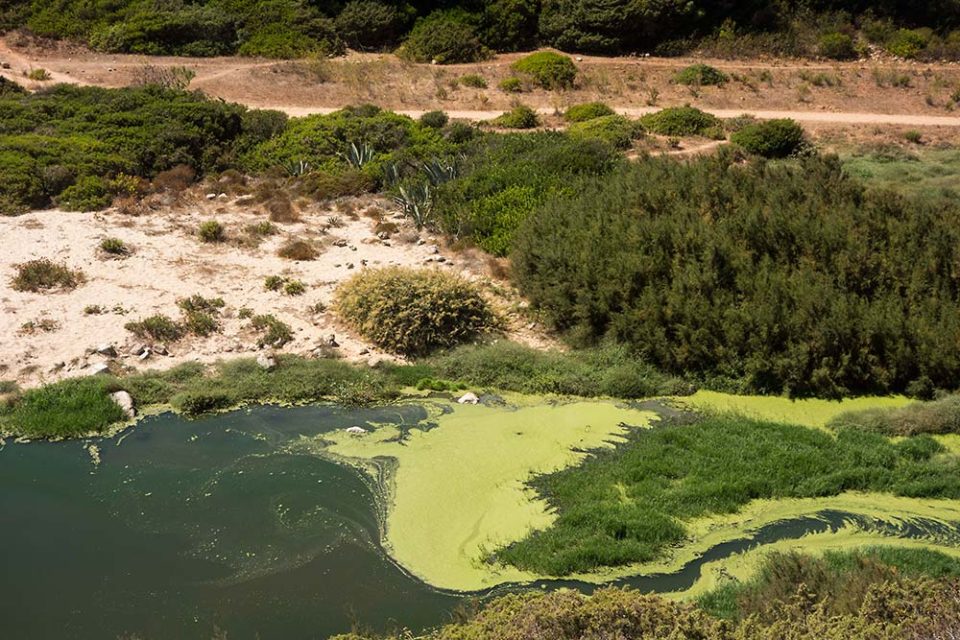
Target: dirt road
(269, 84)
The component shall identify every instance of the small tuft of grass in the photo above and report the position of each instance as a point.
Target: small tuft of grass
(701, 75)
(156, 327)
(211, 231)
(294, 288)
(274, 283)
(473, 80)
(114, 247)
(45, 275)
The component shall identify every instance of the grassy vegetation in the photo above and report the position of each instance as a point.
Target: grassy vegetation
(413, 311)
(840, 581)
(936, 418)
(618, 131)
(45, 275)
(683, 121)
(929, 173)
(628, 505)
(788, 276)
(69, 408)
(701, 75)
(892, 611)
(587, 111)
(520, 117)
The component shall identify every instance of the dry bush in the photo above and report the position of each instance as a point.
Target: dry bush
(45, 275)
(413, 311)
(175, 180)
(295, 249)
(281, 209)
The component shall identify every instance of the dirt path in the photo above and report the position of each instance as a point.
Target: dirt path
(414, 89)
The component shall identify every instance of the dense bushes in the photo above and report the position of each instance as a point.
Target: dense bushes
(587, 111)
(60, 144)
(677, 472)
(520, 117)
(73, 407)
(617, 131)
(892, 610)
(790, 277)
(701, 75)
(445, 37)
(413, 312)
(322, 141)
(462, 30)
(505, 178)
(682, 121)
(547, 69)
(770, 138)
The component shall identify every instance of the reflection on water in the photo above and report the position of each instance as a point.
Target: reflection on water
(187, 527)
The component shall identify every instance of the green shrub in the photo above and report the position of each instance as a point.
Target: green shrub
(474, 81)
(89, 193)
(701, 75)
(157, 327)
(190, 30)
(587, 111)
(508, 176)
(510, 25)
(816, 285)
(114, 247)
(511, 84)
(681, 121)
(70, 408)
(412, 312)
(434, 119)
(617, 131)
(317, 37)
(444, 37)
(294, 288)
(837, 46)
(274, 283)
(273, 332)
(201, 315)
(547, 69)
(366, 24)
(908, 43)
(211, 231)
(44, 275)
(520, 117)
(771, 138)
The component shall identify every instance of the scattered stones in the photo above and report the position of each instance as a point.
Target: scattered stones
(349, 265)
(138, 349)
(144, 355)
(211, 196)
(125, 401)
(468, 398)
(340, 243)
(364, 351)
(161, 349)
(331, 341)
(266, 362)
(57, 366)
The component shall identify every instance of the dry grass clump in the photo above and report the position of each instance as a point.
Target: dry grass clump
(175, 180)
(300, 250)
(413, 311)
(115, 247)
(281, 209)
(211, 231)
(938, 417)
(45, 275)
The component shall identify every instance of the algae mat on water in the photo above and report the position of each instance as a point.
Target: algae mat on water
(458, 487)
(809, 412)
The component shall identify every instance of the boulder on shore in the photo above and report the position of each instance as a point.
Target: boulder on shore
(469, 398)
(125, 401)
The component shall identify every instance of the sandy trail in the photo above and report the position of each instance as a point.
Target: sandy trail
(257, 83)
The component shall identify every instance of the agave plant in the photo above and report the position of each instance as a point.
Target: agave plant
(439, 172)
(297, 169)
(391, 173)
(416, 202)
(358, 156)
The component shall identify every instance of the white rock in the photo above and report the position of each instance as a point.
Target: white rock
(266, 361)
(468, 398)
(98, 368)
(356, 431)
(125, 402)
(144, 355)
(138, 349)
(211, 196)
(106, 349)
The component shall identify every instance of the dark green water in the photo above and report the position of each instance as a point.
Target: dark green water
(186, 528)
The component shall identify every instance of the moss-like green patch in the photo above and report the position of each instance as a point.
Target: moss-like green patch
(459, 489)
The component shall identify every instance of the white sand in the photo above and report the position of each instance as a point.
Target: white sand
(169, 262)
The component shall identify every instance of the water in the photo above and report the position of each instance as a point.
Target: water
(187, 528)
